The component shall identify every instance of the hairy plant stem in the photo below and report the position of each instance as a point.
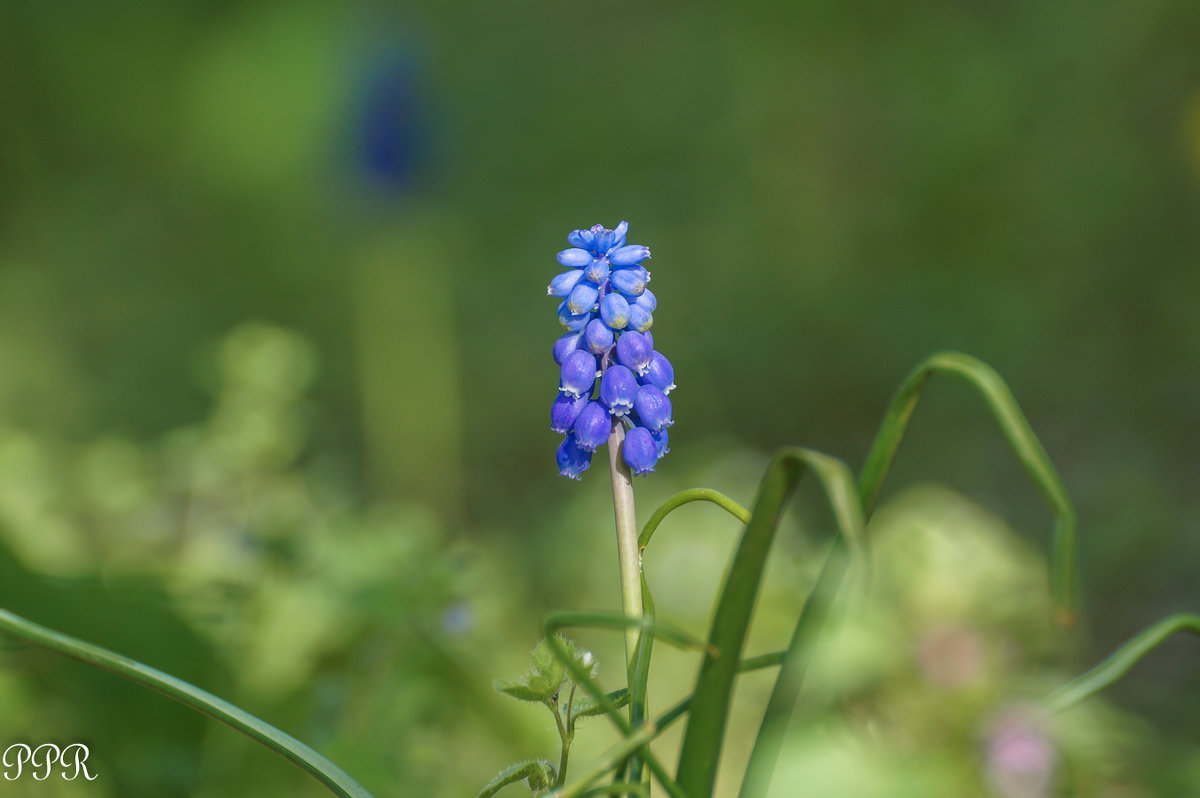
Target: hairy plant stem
(628, 552)
(566, 733)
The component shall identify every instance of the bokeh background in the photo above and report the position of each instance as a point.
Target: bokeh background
(275, 351)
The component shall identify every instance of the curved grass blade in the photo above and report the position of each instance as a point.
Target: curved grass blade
(639, 676)
(680, 709)
(685, 497)
(1033, 458)
(842, 491)
(329, 774)
(1021, 439)
(709, 710)
(1122, 660)
(640, 672)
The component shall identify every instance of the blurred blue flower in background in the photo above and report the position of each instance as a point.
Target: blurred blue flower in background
(388, 134)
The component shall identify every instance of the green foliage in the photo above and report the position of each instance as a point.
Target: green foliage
(303, 596)
(542, 681)
(256, 572)
(538, 775)
(588, 707)
(550, 681)
(955, 610)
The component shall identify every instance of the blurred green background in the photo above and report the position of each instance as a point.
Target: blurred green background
(275, 351)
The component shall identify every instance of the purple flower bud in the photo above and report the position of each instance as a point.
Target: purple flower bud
(565, 346)
(619, 234)
(581, 238)
(632, 281)
(593, 426)
(572, 321)
(614, 311)
(565, 410)
(639, 451)
(597, 337)
(604, 240)
(578, 374)
(660, 374)
(597, 271)
(561, 285)
(572, 460)
(653, 408)
(640, 318)
(634, 350)
(660, 442)
(618, 390)
(583, 298)
(647, 300)
(575, 258)
(628, 256)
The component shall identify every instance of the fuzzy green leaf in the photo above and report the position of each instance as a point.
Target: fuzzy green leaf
(587, 707)
(538, 774)
(529, 688)
(544, 678)
(546, 665)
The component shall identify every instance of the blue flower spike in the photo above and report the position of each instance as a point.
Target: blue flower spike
(609, 371)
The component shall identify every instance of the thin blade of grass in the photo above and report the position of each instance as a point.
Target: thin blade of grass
(686, 497)
(709, 710)
(841, 490)
(1122, 660)
(640, 673)
(1021, 439)
(301, 755)
(1033, 458)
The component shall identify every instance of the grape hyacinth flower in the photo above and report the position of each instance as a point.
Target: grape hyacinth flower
(609, 371)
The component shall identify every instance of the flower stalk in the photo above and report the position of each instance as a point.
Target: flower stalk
(628, 551)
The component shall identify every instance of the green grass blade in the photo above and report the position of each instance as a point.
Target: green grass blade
(1021, 438)
(685, 497)
(709, 709)
(680, 709)
(640, 672)
(329, 774)
(1122, 660)
(639, 677)
(841, 489)
(618, 788)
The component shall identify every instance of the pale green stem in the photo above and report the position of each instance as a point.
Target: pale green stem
(628, 552)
